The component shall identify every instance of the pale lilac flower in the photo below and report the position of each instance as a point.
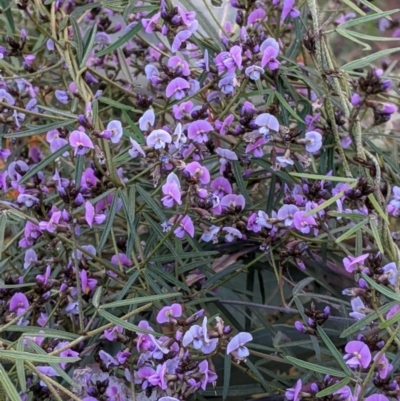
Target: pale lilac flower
(18, 303)
(257, 147)
(30, 257)
(293, 394)
(107, 359)
(81, 142)
(354, 264)
(165, 314)
(221, 187)
(51, 225)
(223, 126)
(232, 234)
(226, 154)
(314, 141)
(211, 234)
(390, 271)
(44, 278)
(227, 84)
(208, 376)
(147, 120)
(136, 149)
(5, 97)
(53, 138)
(199, 338)
(254, 72)
(180, 37)
(269, 58)
(286, 213)
(376, 397)
(62, 96)
(393, 311)
(176, 88)
(358, 354)
(87, 284)
(112, 334)
(266, 122)
(236, 345)
(358, 308)
(178, 137)
(158, 139)
(284, 161)
(115, 127)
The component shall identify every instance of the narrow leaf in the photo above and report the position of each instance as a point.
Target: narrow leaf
(88, 45)
(331, 389)
(3, 223)
(79, 164)
(237, 170)
(323, 177)
(7, 386)
(109, 222)
(140, 300)
(28, 356)
(117, 105)
(227, 376)
(40, 129)
(286, 105)
(376, 236)
(151, 203)
(380, 288)
(77, 39)
(378, 208)
(367, 60)
(20, 366)
(315, 368)
(348, 233)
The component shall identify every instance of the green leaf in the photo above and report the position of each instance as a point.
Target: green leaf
(138, 135)
(227, 376)
(78, 39)
(376, 236)
(97, 297)
(367, 18)
(348, 35)
(19, 365)
(259, 376)
(151, 203)
(123, 39)
(44, 163)
(88, 45)
(334, 351)
(8, 386)
(3, 223)
(380, 288)
(126, 325)
(285, 104)
(40, 129)
(367, 60)
(28, 356)
(79, 164)
(315, 368)
(354, 7)
(372, 6)
(323, 177)
(331, 389)
(378, 208)
(117, 105)
(124, 66)
(351, 231)
(109, 222)
(6, 5)
(237, 170)
(140, 300)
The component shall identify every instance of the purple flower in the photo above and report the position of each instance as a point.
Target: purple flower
(158, 139)
(353, 264)
(236, 345)
(197, 130)
(53, 138)
(182, 110)
(288, 9)
(256, 17)
(136, 149)
(147, 120)
(266, 122)
(176, 88)
(152, 73)
(221, 187)
(4, 154)
(51, 225)
(257, 147)
(208, 376)
(165, 314)
(211, 233)
(293, 394)
(43, 279)
(314, 141)
(233, 202)
(185, 226)
(383, 367)
(286, 213)
(269, 58)
(112, 334)
(227, 84)
(107, 359)
(115, 127)
(88, 284)
(180, 38)
(19, 303)
(358, 354)
(180, 66)
(171, 190)
(376, 397)
(80, 141)
(90, 215)
(198, 172)
(5, 97)
(62, 96)
(303, 223)
(223, 126)
(150, 23)
(284, 161)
